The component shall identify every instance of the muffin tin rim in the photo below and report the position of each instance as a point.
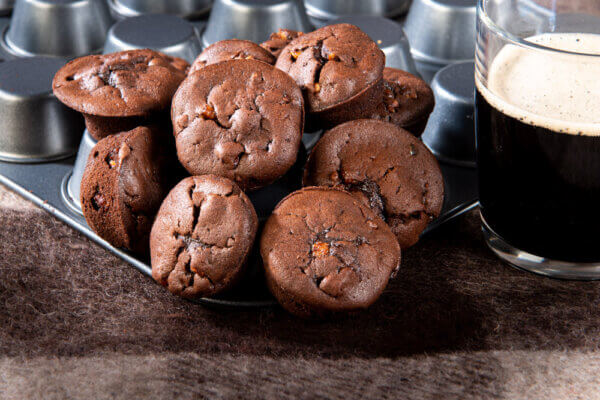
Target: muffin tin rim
(321, 15)
(126, 12)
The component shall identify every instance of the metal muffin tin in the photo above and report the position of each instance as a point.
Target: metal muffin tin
(62, 28)
(322, 12)
(450, 131)
(253, 20)
(190, 9)
(54, 185)
(168, 34)
(35, 126)
(441, 32)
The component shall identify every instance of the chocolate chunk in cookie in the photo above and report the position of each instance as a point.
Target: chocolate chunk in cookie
(326, 252)
(407, 101)
(125, 180)
(241, 119)
(232, 49)
(202, 236)
(339, 69)
(119, 90)
(278, 40)
(387, 168)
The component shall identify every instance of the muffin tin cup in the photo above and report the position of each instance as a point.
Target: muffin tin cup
(66, 28)
(35, 126)
(390, 38)
(189, 9)
(168, 34)
(326, 10)
(72, 198)
(441, 32)
(253, 20)
(450, 133)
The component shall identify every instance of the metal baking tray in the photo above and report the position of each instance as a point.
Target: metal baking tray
(45, 184)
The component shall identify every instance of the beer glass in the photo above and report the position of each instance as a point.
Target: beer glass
(537, 122)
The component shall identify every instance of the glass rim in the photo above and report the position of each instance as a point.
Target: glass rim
(490, 24)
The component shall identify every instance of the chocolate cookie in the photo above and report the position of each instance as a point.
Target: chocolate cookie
(119, 90)
(232, 49)
(339, 69)
(324, 251)
(125, 180)
(202, 236)
(241, 119)
(387, 168)
(407, 101)
(278, 40)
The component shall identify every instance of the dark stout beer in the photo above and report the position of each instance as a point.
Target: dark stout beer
(539, 154)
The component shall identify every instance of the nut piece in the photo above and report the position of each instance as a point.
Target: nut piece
(295, 54)
(320, 249)
(209, 112)
(283, 35)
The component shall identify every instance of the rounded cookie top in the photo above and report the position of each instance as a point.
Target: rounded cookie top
(278, 40)
(325, 251)
(241, 119)
(124, 84)
(332, 64)
(387, 168)
(125, 180)
(407, 99)
(202, 236)
(231, 49)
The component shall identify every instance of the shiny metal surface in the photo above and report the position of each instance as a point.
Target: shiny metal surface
(4, 53)
(253, 20)
(450, 132)
(441, 32)
(165, 33)
(35, 126)
(61, 28)
(6, 6)
(183, 8)
(390, 38)
(73, 186)
(332, 9)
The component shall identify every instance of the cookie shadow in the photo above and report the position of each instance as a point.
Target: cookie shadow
(420, 312)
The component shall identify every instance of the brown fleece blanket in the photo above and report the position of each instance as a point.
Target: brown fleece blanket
(78, 323)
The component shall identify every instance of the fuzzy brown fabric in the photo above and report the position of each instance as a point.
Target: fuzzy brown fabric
(76, 322)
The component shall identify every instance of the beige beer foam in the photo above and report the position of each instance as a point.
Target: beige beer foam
(557, 91)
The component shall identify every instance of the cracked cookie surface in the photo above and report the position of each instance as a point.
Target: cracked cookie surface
(241, 119)
(386, 167)
(125, 180)
(407, 101)
(124, 84)
(232, 49)
(278, 40)
(202, 236)
(333, 65)
(324, 251)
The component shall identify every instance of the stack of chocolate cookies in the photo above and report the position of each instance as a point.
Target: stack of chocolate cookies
(237, 116)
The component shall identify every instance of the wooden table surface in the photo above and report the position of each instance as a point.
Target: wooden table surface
(77, 322)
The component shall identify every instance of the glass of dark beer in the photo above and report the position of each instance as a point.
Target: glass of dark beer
(537, 122)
